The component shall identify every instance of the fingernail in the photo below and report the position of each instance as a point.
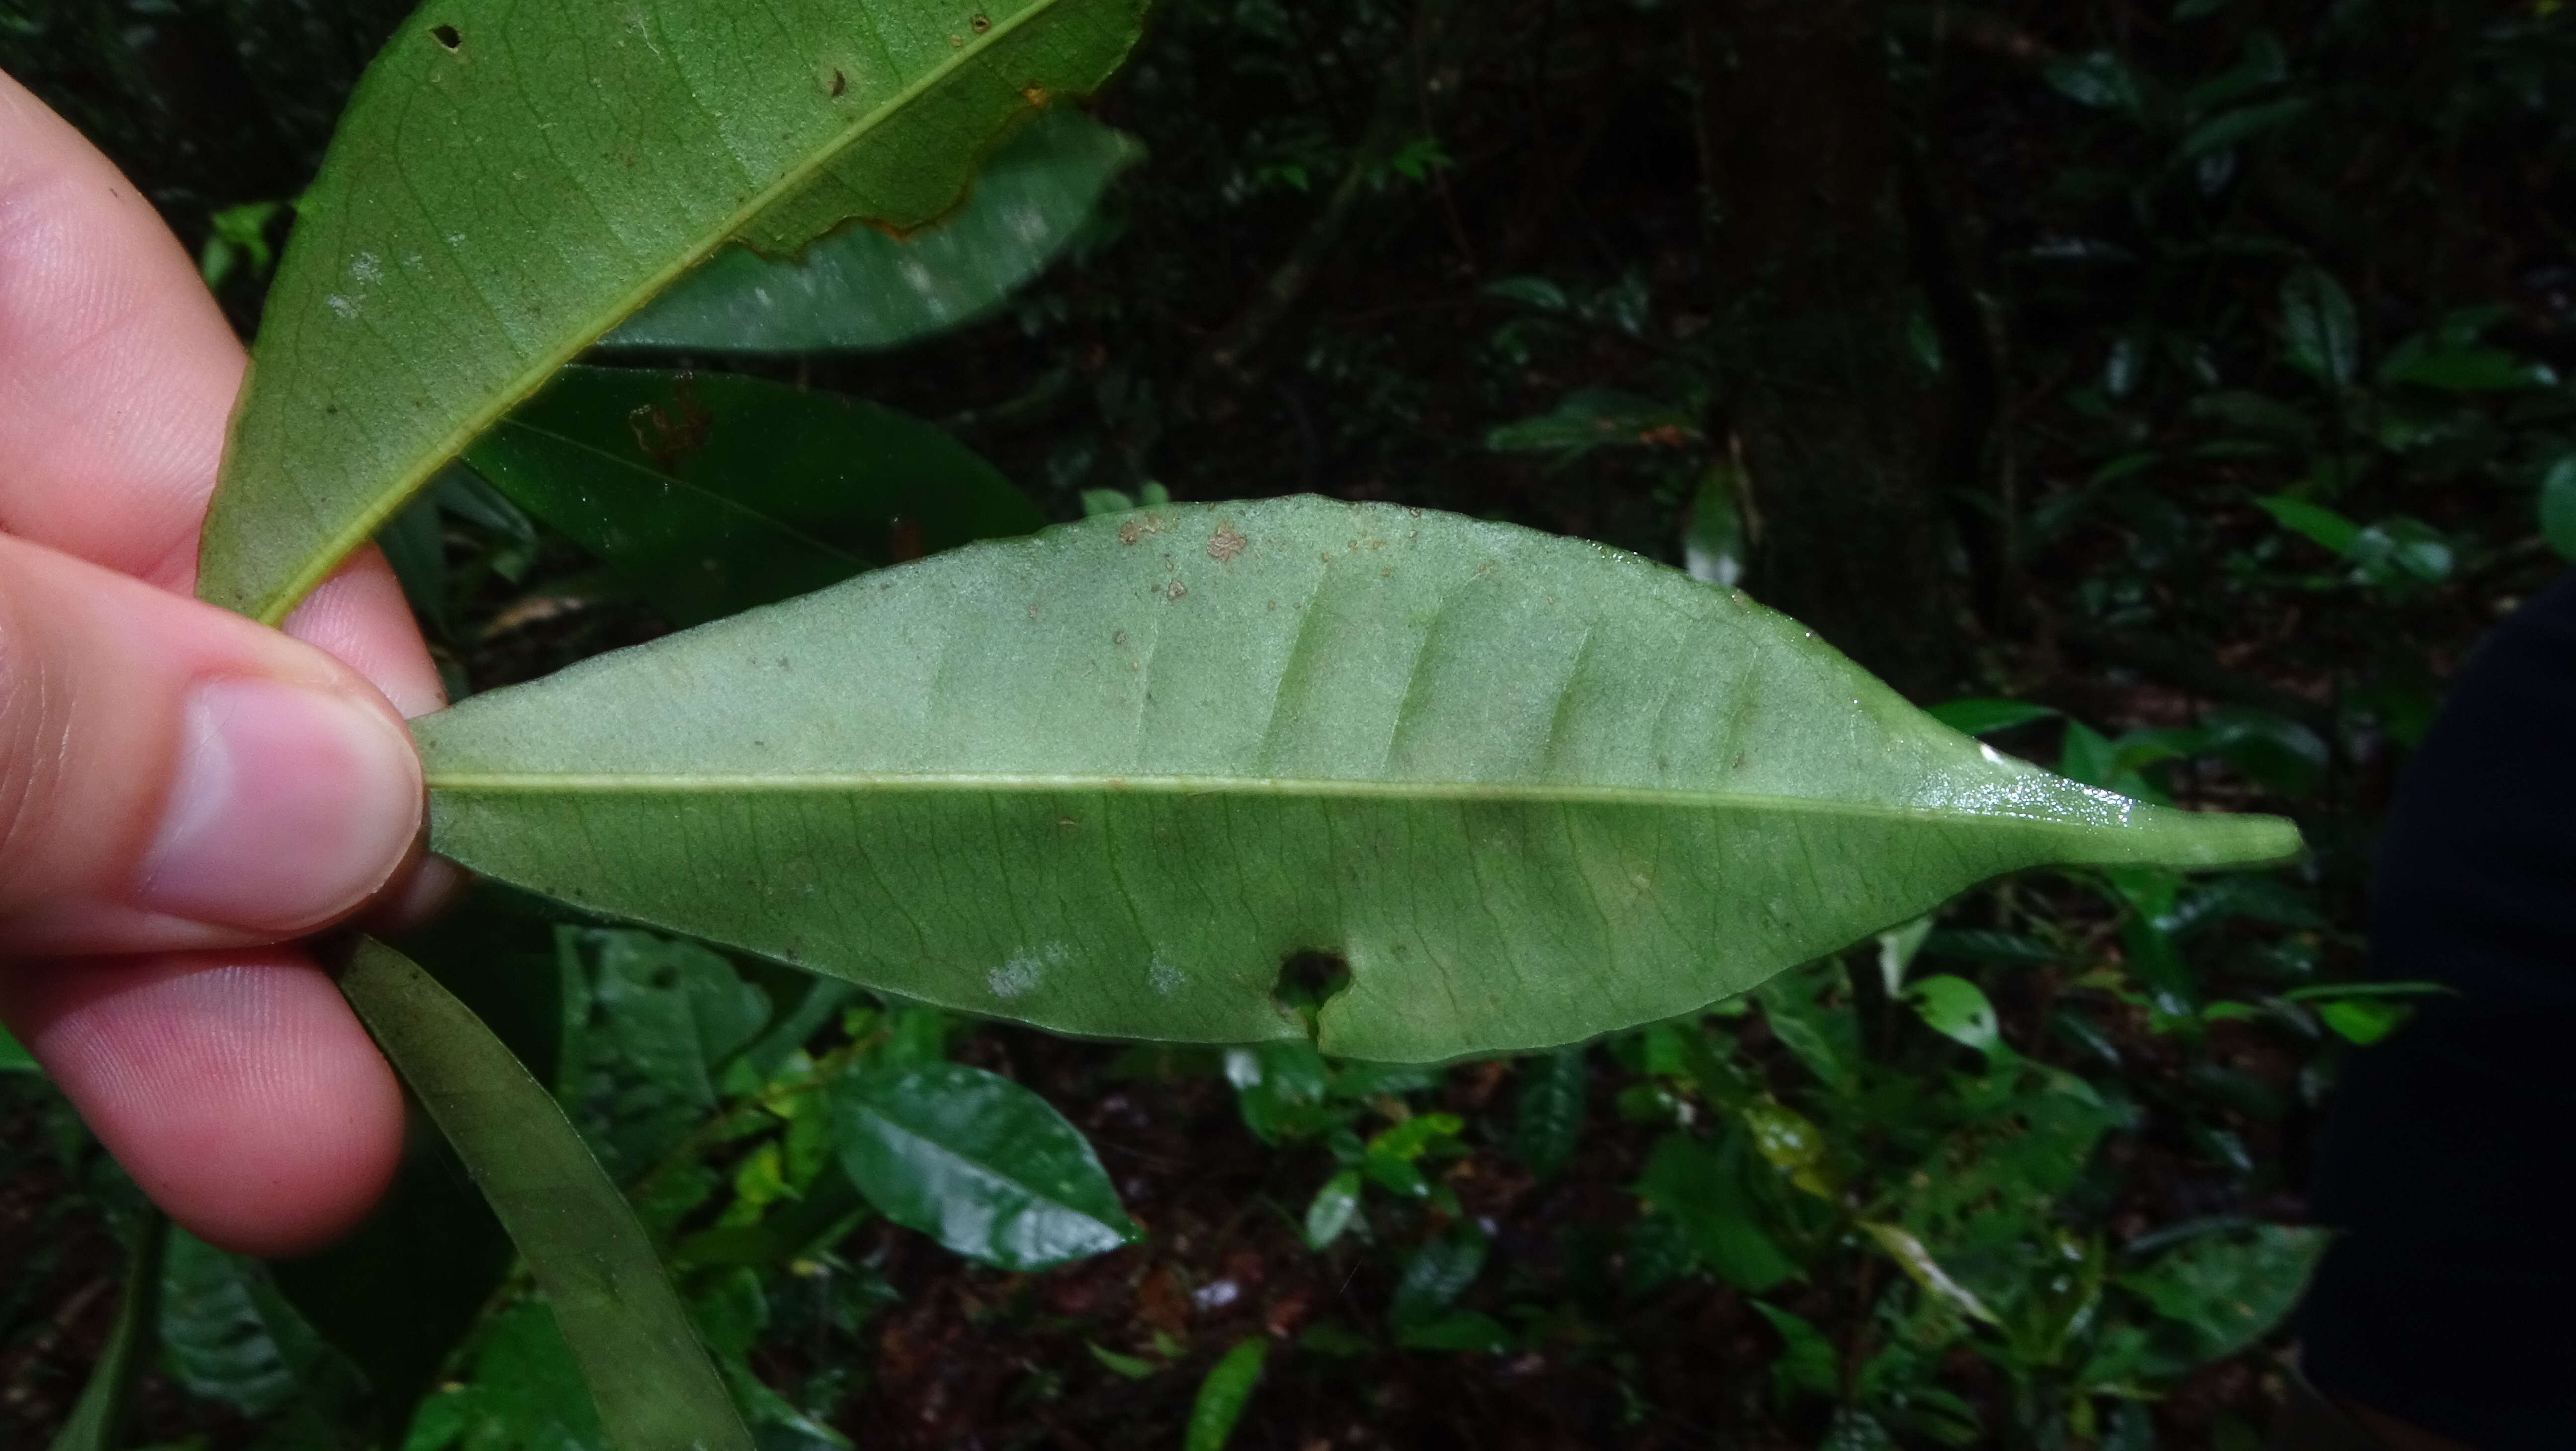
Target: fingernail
(291, 806)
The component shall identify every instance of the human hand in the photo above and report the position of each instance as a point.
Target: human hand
(181, 791)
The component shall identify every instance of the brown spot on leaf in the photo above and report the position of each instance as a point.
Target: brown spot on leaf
(666, 438)
(840, 84)
(903, 540)
(1034, 95)
(1225, 544)
(981, 24)
(1131, 531)
(1177, 591)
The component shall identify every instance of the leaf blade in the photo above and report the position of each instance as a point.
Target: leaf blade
(369, 376)
(983, 1165)
(1476, 762)
(710, 494)
(1222, 1396)
(653, 1383)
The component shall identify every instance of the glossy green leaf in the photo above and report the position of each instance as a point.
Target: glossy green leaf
(1530, 790)
(707, 494)
(2558, 507)
(978, 1163)
(1229, 1385)
(1332, 1209)
(1957, 1009)
(1550, 1119)
(1897, 949)
(1701, 1187)
(2453, 360)
(97, 1421)
(1438, 1272)
(1853, 1430)
(1810, 1012)
(2363, 1021)
(2399, 551)
(654, 1387)
(861, 289)
(227, 1334)
(1719, 540)
(1281, 1089)
(14, 1057)
(1591, 418)
(2229, 1291)
(2321, 326)
(656, 1022)
(1927, 1272)
(523, 1389)
(1790, 1142)
(2325, 527)
(2098, 79)
(1984, 717)
(1125, 1367)
(2273, 750)
(511, 181)
(1808, 1363)
(2232, 128)
(1456, 1330)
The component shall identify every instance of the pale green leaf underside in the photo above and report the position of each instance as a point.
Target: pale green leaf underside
(1108, 778)
(492, 205)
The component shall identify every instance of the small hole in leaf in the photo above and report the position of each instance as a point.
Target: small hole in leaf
(982, 25)
(1307, 980)
(446, 35)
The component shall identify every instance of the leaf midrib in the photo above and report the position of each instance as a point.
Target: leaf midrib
(364, 526)
(675, 782)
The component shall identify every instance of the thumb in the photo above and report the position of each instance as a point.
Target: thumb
(173, 776)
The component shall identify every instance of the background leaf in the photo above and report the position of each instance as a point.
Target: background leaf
(14, 1057)
(1702, 1188)
(2321, 326)
(1550, 1119)
(1484, 737)
(2558, 506)
(707, 494)
(647, 1373)
(978, 1163)
(1984, 717)
(1957, 1009)
(1222, 1395)
(624, 142)
(860, 289)
(97, 1421)
(226, 1332)
(2228, 1289)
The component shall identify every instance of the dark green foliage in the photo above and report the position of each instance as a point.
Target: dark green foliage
(978, 1163)
(708, 495)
